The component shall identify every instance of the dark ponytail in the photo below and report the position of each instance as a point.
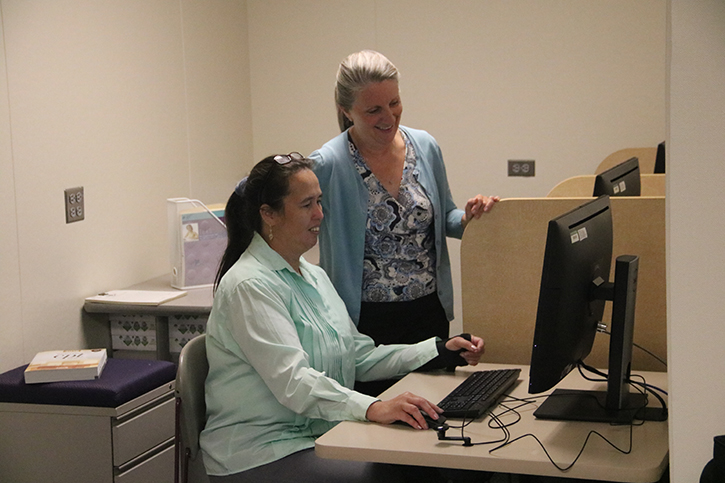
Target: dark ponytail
(238, 237)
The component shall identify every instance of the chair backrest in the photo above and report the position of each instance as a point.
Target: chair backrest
(190, 377)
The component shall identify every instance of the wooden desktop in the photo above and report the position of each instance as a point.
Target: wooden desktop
(363, 441)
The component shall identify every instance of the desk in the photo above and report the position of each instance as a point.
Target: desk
(647, 462)
(194, 306)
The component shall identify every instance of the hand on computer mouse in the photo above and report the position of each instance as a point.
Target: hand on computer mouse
(436, 424)
(407, 408)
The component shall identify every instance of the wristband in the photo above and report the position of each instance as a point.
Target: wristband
(451, 358)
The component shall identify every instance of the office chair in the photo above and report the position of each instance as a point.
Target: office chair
(190, 409)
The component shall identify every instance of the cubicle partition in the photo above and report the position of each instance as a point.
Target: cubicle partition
(583, 186)
(501, 260)
(647, 158)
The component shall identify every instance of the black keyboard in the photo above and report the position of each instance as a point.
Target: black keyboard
(477, 393)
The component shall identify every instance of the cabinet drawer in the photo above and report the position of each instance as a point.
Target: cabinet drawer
(143, 431)
(159, 468)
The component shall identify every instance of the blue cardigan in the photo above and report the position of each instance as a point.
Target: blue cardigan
(344, 203)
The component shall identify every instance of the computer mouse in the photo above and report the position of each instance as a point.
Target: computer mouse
(436, 424)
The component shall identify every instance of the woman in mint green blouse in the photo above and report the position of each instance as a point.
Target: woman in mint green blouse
(283, 352)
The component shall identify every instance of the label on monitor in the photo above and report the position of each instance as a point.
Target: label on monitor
(578, 235)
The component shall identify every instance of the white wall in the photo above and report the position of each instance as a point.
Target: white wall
(696, 259)
(11, 347)
(136, 101)
(564, 83)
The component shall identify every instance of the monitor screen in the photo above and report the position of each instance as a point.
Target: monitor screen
(620, 180)
(660, 159)
(574, 289)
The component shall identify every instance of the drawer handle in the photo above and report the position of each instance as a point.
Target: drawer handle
(144, 456)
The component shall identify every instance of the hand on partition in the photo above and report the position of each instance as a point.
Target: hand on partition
(406, 407)
(479, 205)
(472, 351)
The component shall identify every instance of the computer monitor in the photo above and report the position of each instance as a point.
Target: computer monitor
(660, 159)
(574, 287)
(620, 180)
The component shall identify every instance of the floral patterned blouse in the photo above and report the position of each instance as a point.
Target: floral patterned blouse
(399, 263)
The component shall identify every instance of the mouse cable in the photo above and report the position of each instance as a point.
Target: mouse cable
(581, 451)
(466, 422)
(494, 422)
(467, 439)
(495, 419)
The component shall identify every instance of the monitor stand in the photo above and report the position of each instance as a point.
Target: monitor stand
(617, 404)
(573, 405)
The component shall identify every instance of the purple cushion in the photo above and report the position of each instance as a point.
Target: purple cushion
(120, 381)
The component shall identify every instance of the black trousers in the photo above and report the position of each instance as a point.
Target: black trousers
(400, 323)
(404, 322)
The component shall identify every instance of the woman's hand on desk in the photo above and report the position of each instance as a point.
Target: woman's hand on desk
(406, 407)
(471, 351)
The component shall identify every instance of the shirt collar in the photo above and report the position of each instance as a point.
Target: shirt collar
(260, 250)
(265, 254)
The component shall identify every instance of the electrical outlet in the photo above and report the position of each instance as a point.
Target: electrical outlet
(522, 167)
(74, 205)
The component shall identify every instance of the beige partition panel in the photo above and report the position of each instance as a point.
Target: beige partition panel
(583, 186)
(502, 256)
(647, 157)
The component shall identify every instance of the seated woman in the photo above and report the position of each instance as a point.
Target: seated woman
(283, 352)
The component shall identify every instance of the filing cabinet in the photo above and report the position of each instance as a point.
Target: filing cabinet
(130, 443)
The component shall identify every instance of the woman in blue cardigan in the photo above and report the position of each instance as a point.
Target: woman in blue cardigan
(388, 210)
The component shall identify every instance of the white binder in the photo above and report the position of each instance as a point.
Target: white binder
(197, 240)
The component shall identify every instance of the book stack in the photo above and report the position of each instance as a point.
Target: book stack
(66, 365)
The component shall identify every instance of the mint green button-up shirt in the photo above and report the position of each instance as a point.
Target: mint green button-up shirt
(283, 357)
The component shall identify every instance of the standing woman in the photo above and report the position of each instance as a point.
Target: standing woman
(283, 353)
(388, 210)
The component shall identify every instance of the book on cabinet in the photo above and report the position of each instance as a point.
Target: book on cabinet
(66, 365)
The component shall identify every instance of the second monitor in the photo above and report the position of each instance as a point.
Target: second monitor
(574, 287)
(620, 180)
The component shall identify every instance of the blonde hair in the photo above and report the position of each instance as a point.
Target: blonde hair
(354, 73)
